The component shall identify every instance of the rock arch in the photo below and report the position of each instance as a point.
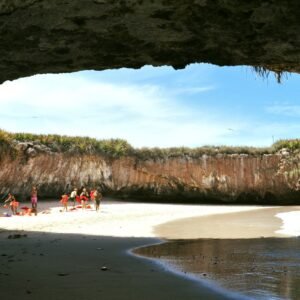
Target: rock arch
(53, 36)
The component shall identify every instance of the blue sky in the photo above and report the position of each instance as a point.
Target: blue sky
(199, 105)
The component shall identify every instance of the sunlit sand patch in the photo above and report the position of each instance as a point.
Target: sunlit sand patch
(117, 219)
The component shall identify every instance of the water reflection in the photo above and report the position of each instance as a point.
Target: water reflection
(265, 268)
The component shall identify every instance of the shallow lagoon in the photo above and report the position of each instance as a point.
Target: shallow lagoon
(263, 268)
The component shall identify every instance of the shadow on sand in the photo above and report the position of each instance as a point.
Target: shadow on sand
(38, 265)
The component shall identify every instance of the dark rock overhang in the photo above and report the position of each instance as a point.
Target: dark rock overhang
(54, 36)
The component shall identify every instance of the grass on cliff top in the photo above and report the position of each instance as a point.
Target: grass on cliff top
(6, 144)
(119, 147)
(76, 144)
(291, 144)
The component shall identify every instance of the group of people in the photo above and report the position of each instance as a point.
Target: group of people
(11, 202)
(82, 197)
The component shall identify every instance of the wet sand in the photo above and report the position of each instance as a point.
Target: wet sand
(52, 266)
(241, 225)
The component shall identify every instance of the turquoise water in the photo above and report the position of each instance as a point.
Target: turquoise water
(264, 268)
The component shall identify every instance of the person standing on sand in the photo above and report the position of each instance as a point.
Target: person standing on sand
(98, 198)
(64, 201)
(92, 196)
(73, 196)
(34, 199)
(84, 198)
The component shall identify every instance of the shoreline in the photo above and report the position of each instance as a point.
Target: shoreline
(263, 223)
(211, 285)
(119, 229)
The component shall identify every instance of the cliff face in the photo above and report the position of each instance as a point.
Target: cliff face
(54, 36)
(221, 178)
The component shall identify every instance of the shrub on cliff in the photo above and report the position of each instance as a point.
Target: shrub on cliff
(119, 147)
(291, 144)
(5, 144)
(4, 137)
(76, 144)
(163, 153)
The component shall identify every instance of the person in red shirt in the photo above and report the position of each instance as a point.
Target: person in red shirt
(84, 197)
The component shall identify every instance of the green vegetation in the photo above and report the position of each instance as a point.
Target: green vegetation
(5, 144)
(76, 144)
(118, 147)
(5, 137)
(156, 153)
(289, 144)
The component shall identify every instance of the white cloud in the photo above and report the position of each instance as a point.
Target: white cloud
(285, 110)
(143, 114)
(193, 90)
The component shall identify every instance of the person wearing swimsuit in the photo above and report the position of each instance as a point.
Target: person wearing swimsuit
(34, 200)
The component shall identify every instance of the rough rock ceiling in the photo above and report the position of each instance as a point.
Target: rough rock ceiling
(53, 36)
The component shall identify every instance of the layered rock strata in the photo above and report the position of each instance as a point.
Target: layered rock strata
(237, 178)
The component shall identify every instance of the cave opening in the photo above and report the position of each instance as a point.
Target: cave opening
(156, 106)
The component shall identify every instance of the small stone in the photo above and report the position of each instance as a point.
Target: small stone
(104, 268)
(63, 274)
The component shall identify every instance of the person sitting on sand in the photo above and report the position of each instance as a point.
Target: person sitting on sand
(84, 197)
(34, 199)
(73, 196)
(64, 201)
(14, 204)
(7, 203)
(98, 198)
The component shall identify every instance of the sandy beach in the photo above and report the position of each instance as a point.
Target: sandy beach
(86, 255)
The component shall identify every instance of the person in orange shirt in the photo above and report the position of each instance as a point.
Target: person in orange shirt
(64, 201)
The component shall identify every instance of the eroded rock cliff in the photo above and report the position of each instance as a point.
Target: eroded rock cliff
(240, 178)
(52, 36)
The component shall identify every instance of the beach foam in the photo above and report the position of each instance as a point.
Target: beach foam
(291, 223)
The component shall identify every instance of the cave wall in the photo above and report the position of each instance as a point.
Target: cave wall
(53, 36)
(238, 178)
